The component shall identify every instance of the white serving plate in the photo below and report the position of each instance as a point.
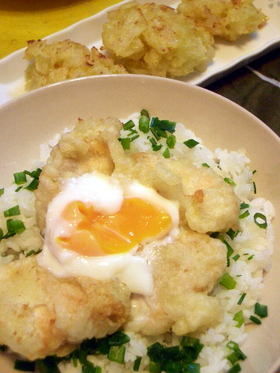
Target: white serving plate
(88, 32)
(36, 117)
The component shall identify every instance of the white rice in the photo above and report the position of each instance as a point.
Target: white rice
(252, 242)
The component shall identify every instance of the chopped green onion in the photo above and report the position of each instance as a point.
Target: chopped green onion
(145, 113)
(192, 368)
(144, 123)
(125, 142)
(163, 125)
(229, 251)
(117, 339)
(260, 220)
(205, 165)
(229, 181)
(191, 143)
(240, 300)
(235, 369)
(255, 320)
(154, 367)
(239, 318)
(166, 153)
(244, 214)
(33, 185)
(261, 310)
(47, 365)
(232, 234)
(18, 189)
(236, 257)
(235, 347)
(155, 145)
(33, 252)
(134, 137)
(253, 172)
(1, 191)
(128, 125)
(137, 363)
(116, 353)
(15, 226)
(20, 178)
(26, 366)
(227, 281)
(171, 141)
(1, 234)
(244, 205)
(13, 211)
(35, 174)
(250, 257)
(88, 367)
(255, 187)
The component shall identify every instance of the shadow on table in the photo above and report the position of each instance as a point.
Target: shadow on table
(34, 5)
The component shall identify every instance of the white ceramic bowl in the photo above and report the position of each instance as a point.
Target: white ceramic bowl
(34, 119)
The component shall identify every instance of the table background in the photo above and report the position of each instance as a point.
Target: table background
(256, 87)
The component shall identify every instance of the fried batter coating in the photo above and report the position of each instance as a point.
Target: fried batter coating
(228, 19)
(207, 202)
(184, 271)
(62, 60)
(154, 39)
(82, 150)
(43, 315)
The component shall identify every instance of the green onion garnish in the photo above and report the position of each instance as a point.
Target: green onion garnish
(260, 220)
(20, 178)
(33, 252)
(235, 369)
(128, 125)
(18, 189)
(35, 174)
(255, 320)
(23, 365)
(229, 181)
(191, 143)
(232, 234)
(244, 214)
(205, 165)
(116, 353)
(244, 205)
(144, 123)
(134, 137)
(1, 191)
(171, 141)
(235, 347)
(145, 113)
(166, 153)
(13, 211)
(155, 145)
(33, 185)
(154, 367)
(15, 226)
(240, 300)
(261, 310)
(1, 234)
(137, 363)
(125, 142)
(250, 257)
(239, 318)
(229, 251)
(255, 187)
(227, 281)
(236, 257)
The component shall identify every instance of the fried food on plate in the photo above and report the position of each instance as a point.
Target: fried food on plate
(208, 203)
(228, 19)
(181, 301)
(54, 62)
(41, 314)
(80, 151)
(155, 39)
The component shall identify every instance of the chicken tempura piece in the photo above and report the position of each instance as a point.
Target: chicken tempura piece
(80, 151)
(207, 202)
(43, 315)
(228, 19)
(62, 60)
(184, 272)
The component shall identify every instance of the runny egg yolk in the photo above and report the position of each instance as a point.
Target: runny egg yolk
(95, 234)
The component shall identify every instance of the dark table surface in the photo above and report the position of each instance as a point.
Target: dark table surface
(255, 87)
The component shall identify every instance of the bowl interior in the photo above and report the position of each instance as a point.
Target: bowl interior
(36, 117)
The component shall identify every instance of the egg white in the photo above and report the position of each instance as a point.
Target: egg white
(106, 194)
